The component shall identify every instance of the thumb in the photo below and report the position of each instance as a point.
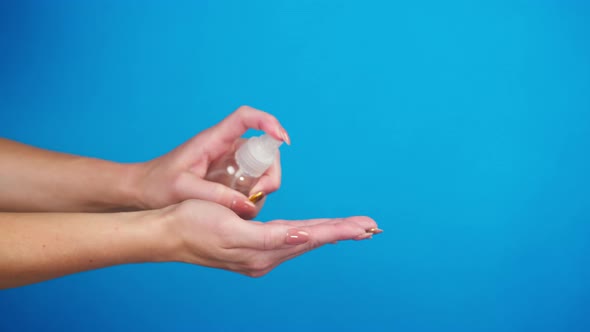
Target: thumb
(264, 236)
(192, 186)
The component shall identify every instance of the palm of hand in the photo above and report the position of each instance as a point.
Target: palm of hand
(214, 236)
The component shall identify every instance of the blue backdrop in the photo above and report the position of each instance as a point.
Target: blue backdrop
(462, 127)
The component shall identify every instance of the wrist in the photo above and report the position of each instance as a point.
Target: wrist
(129, 188)
(161, 242)
(108, 187)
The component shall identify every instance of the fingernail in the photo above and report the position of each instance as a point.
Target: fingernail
(285, 136)
(255, 198)
(295, 236)
(242, 205)
(364, 236)
(375, 230)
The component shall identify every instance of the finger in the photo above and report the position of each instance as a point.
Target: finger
(301, 223)
(326, 233)
(343, 229)
(190, 186)
(366, 223)
(320, 233)
(224, 134)
(306, 223)
(258, 206)
(270, 181)
(265, 236)
(272, 236)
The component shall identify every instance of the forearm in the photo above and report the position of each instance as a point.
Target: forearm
(33, 179)
(40, 246)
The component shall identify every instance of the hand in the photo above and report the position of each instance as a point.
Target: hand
(211, 235)
(179, 175)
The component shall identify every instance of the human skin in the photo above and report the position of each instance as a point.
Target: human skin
(65, 214)
(33, 179)
(41, 246)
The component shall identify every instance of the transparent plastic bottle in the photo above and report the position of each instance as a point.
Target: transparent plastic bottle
(241, 170)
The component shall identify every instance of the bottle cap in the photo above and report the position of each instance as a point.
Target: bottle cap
(256, 155)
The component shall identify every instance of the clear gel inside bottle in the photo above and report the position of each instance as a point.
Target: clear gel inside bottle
(241, 169)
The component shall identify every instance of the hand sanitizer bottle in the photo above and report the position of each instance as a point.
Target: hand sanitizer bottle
(241, 170)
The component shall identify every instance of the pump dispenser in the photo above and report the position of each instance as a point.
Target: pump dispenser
(241, 170)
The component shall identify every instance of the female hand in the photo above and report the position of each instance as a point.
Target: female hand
(179, 175)
(211, 235)
(41, 246)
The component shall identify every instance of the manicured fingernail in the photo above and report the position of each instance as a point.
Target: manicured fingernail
(285, 136)
(375, 230)
(242, 205)
(295, 236)
(364, 236)
(255, 198)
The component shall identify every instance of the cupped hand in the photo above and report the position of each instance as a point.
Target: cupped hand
(211, 235)
(180, 174)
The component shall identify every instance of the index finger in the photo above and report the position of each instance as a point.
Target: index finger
(223, 135)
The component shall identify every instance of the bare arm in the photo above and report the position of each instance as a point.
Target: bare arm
(40, 246)
(33, 179)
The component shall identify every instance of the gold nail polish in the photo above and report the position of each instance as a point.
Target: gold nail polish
(374, 230)
(256, 197)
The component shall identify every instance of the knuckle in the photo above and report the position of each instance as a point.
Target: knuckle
(271, 118)
(177, 188)
(219, 196)
(266, 240)
(274, 186)
(244, 109)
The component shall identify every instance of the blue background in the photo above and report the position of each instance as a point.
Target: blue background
(463, 128)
